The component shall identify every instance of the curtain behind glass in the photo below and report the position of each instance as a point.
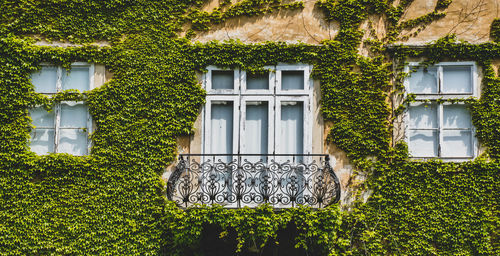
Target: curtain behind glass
(221, 126)
(256, 130)
(292, 129)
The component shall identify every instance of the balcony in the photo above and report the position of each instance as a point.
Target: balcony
(234, 181)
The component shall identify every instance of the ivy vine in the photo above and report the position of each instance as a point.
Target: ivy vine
(112, 201)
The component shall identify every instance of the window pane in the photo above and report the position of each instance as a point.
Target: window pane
(423, 143)
(45, 80)
(424, 80)
(292, 128)
(72, 141)
(222, 79)
(292, 80)
(77, 78)
(257, 81)
(423, 115)
(42, 141)
(456, 116)
(222, 129)
(41, 118)
(73, 115)
(256, 129)
(457, 79)
(456, 144)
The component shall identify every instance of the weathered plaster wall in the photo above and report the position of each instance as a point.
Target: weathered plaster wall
(307, 25)
(469, 19)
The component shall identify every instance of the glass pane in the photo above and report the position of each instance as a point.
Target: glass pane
(45, 80)
(257, 81)
(423, 115)
(41, 118)
(222, 129)
(42, 141)
(256, 129)
(77, 78)
(423, 143)
(456, 116)
(292, 80)
(423, 80)
(73, 115)
(457, 144)
(292, 129)
(72, 141)
(222, 79)
(457, 79)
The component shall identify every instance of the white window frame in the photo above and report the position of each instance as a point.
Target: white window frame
(308, 83)
(274, 96)
(57, 107)
(207, 78)
(433, 97)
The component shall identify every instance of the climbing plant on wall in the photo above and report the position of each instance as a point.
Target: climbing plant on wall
(112, 202)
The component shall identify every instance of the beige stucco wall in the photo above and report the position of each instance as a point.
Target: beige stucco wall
(307, 25)
(469, 19)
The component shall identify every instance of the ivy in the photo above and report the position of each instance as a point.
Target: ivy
(112, 201)
(495, 30)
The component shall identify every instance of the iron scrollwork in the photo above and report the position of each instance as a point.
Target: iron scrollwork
(234, 181)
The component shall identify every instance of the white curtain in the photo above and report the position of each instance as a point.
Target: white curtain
(292, 129)
(73, 138)
(221, 129)
(457, 131)
(457, 79)
(256, 136)
(42, 136)
(424, 130)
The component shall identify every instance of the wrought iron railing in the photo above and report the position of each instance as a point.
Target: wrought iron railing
(234, 181)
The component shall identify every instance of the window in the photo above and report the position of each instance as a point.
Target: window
(437, 128)
(65, 129)
(265, 113)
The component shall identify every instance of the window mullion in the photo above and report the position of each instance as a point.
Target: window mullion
(57, 108)
(88, 128)
(440, 79)
(276, 111)
(59, 80)
(238, 115)
(440, 127)
(57, 127)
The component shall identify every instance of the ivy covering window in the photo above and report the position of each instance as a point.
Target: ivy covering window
(258, 113)
(437, 128)
(66, 127)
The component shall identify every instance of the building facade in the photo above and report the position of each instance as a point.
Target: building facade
(235, 127)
